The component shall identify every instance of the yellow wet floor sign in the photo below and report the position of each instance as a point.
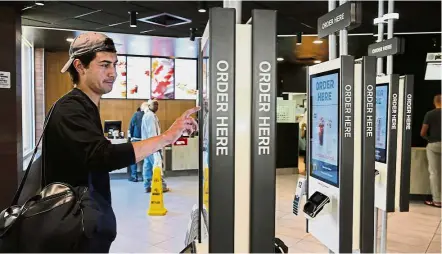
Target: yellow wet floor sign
(156, 207)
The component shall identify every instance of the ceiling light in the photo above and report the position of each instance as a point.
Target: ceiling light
(133, 18)
(202, 6)
(70, 39)
(317, 61)
(39, 3)
(279, 59)
(317, 41)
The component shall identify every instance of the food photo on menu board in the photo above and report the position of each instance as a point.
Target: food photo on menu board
(119, 89)
(138, 77)
(324, 129)
(381, 123)
(162, 75)
(185, 79)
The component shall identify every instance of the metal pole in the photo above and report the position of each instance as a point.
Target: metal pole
(343, 37)
(375, 237)
(380, 63)
(389, 36)
(383, 243)
(331, 37)
(236, 4)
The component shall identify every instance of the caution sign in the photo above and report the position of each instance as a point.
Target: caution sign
(156, 207)
(206, 188)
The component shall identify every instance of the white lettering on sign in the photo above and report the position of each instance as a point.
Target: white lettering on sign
(222, 126)
(264, 106)
(408, 114)
(369, 113)
(347, 111)
(332, 21)
(394, 112)
(382, 48)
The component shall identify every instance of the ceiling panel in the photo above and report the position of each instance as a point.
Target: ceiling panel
(104, 18)
(65, 8)
(79, 23)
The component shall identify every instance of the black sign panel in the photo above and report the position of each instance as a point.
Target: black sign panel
(346, 154)
(222, 130)
(368, 155)
(346, 16)
(404, 202)
(385, 48)
(263, 164)
(393, 105)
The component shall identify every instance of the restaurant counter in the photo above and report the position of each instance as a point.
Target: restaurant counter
(182, 155)
(419, 176)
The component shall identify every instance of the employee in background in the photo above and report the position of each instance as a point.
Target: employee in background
(430, 131)
(302, 139)
(150, 127)
(134, 135)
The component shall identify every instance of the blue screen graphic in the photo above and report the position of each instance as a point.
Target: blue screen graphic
(324, 128)
(381, 123)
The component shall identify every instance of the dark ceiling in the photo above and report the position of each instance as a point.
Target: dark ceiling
(293, 16)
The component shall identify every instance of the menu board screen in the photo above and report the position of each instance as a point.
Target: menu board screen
(185, 79)
(119, 88)
(138, 77)
(381, 123)
(163, 71)
(324, 89)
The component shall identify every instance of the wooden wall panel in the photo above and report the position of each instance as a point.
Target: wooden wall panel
(58, 84)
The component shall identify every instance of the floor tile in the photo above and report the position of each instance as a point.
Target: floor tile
(310, 247)
(435, 247)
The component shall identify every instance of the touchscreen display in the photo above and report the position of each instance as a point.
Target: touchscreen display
(324, 89)
(206, 138)
(381, 122)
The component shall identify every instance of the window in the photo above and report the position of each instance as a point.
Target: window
(28, 115)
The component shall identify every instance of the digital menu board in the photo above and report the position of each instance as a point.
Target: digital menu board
(119, 88)
(324, 129)
(138, 77)
(381, 122)
(163, 77)
(185, 79)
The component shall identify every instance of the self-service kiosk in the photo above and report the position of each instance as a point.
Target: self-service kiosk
(238, 100)
(330, 152)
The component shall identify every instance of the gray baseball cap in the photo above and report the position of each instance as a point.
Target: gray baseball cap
(86, 43)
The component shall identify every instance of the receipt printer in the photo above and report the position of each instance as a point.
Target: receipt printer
(315, 204)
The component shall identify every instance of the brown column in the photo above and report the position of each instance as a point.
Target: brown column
(10, 104)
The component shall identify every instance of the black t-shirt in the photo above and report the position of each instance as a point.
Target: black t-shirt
(75, 150)
(433, 119)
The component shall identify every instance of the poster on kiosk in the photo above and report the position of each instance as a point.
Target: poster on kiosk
(329, 205)
(385, 141)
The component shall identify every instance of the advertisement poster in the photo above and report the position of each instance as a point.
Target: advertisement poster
(119, 88)
(138, 77)
(185, 79)
(324, 129)
(163, 84)
(381, 123)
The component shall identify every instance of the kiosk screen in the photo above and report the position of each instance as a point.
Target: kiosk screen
(324, 142)
(205, 131)
(381, 122)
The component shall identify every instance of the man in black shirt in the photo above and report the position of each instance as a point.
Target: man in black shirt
(431, 129)
(75, 150)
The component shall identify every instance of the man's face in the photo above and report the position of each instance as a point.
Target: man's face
(154, 106)
(101, 73)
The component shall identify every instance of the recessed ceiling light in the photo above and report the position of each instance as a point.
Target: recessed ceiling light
(317, 61)
(202, 10)
(317, 41)
(280, 59)
(39, 3)
(298, 43)
(70, 39)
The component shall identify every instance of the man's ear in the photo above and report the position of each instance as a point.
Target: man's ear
(79, 66)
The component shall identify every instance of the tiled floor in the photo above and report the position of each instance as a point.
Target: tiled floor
(415, 232)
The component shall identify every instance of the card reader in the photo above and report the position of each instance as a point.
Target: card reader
(315, 204)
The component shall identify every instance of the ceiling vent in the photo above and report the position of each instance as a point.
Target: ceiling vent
(165, 20)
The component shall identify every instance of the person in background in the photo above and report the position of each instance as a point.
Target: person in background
(430, 131)
(150, 127)
(302, 140)
(76, 152)
(134, 135)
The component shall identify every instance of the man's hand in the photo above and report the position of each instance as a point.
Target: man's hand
(146, 147)
(183, 124)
